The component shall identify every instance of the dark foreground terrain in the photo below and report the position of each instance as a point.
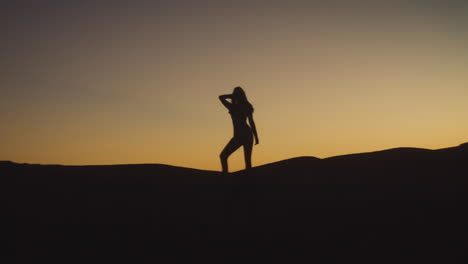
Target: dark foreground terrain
(401, 205)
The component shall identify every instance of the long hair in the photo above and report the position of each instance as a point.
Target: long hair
(240, 99)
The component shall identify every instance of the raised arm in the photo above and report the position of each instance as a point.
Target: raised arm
(254, 129)
(223, 100)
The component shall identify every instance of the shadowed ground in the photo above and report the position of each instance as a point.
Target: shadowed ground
(400, 205)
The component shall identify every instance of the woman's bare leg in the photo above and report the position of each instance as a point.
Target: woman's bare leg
(248, 152)
(248, 156)
(232, 146)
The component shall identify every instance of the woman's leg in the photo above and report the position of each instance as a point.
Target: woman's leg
(248, 144)
(232, 146)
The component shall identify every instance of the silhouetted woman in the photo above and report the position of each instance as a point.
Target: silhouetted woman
(241, 111)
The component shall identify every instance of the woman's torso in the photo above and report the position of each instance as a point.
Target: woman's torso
(239, 121)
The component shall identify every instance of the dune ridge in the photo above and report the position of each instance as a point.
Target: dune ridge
(402, 205)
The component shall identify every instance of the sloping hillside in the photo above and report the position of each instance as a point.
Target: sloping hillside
(400, 205)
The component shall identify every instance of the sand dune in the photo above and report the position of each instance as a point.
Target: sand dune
(399, 205)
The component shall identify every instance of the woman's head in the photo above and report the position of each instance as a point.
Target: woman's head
(239, 97)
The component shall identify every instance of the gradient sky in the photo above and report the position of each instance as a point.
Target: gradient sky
(110, 82)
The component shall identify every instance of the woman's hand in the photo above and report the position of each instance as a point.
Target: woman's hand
(256, 141)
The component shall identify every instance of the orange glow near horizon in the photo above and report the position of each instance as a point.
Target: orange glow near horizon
(132, 88)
